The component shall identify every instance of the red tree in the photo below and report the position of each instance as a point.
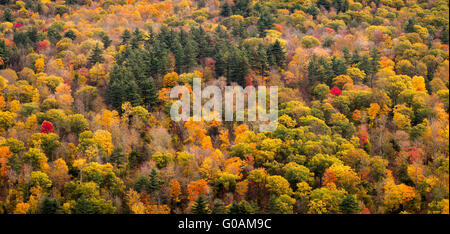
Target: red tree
(46, 127)
(335, 91)
(18, 25)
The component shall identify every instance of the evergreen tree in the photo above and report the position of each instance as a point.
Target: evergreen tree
(320, 69)
(115, 90)
(106, 41)
(349, 205)
(134, 159)
(241, 7)
(323, 3)
(237, 67)
(155, 182)
(445, 35)
(84, 206)
(409, 27)
(356, 58)
(220, 50)
(313, 10)
(374, 64)
(200, 206)
(262, 59)
(117, 156)
(347, 55)
(225, 10)
(218, 207)
(70, 34)
(189, 55)
(265, 22)
(142, 184)
(339, 66)
(132, 93)
(7, 15)
(126, 36)
(50, 206)
(136, 38)
(21, 39)
(96, 56)
(148, 92)
(276, 55)
(203, 42)
(156, 59)
(236, 208)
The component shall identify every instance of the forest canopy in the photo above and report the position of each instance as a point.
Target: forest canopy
(363, 100)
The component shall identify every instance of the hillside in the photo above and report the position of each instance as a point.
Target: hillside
(363, 107)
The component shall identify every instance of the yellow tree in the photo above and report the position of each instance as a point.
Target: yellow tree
(175, 190)
(39, 65)
(104, 141)
(59, 173)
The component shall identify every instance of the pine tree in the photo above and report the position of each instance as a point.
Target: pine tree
(106, 41)
(134, 158)
(155, 182)
(235, 208)
(409, 27)
(84, 206)
(136, 38)
(356, 58)
(276, 55)
(218, 207)
(445, 35)
(126, 36)
(374, 64)
(189, 55)
(50, 206)
(200, 207)
(347, 55)
(132, 93)
(265, 22)
(241, 7)
(349, 205)
(237, 67)
(339, 66)
(219, 56)
(8, 16)
(96, 56)
(262, 60)
(225, 10)
(117, 156)
(70, 34)
(142, 184)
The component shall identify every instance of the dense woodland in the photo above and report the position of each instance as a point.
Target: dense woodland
(363, 106)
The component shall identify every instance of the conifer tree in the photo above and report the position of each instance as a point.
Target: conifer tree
(349, 205)
(225, 10)
(155, 182)
(276, 55)
(96, 56)
(200, 206)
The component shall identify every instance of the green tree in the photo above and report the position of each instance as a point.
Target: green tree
(96, 55)
(276, 55)
(200, 206)
(7, 15)
(50, 206)
(225, 10)
(155, 182)
(321, 91)
(349, 205)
